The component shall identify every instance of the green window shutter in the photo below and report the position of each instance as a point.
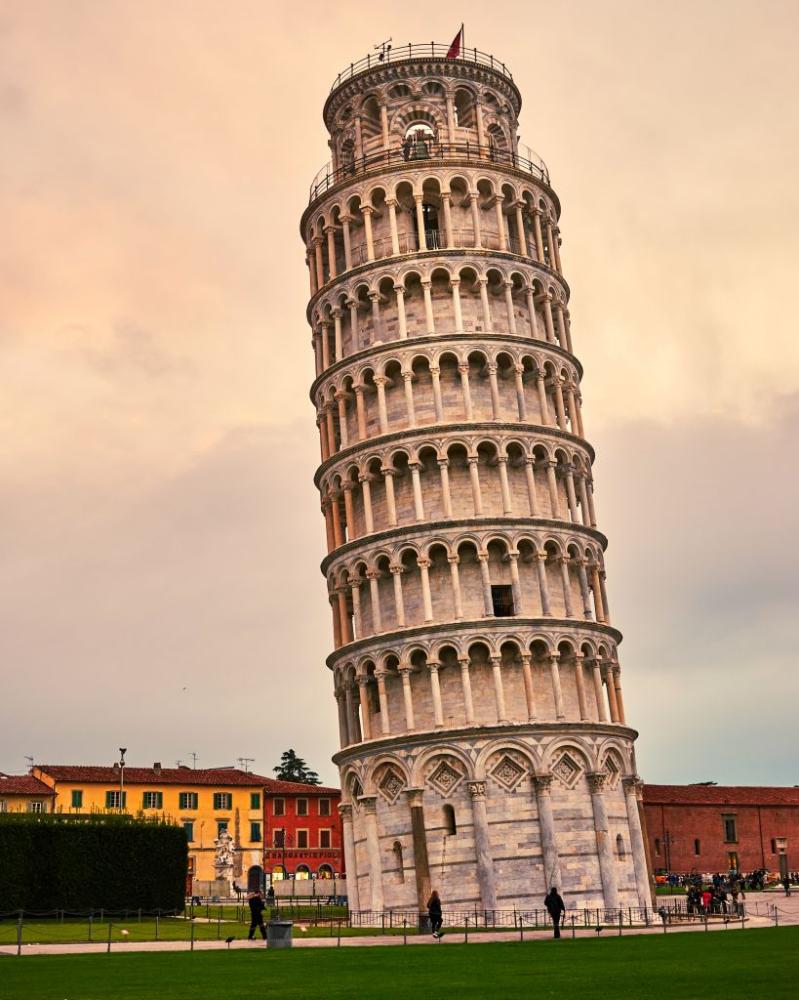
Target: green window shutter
(124, 800)
(255, 800)
(77, 798)
(109, 800)
(159, 800)
(217, 797)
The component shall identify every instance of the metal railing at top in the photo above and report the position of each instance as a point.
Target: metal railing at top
(420, 50)
(328, 177)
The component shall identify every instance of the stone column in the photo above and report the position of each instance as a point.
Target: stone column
(341, 400)
(584, 591)
(330, 232)
(463, 370)
(631, 784)
(418, 504)
(446, 498)
(579, 678)
(534, 331)
(369, 806)
(374, 298)
(385, 720)
(384, 126)
(503, 239)
(527, 676)
(484, 305)
(520, 228)
(521, 402)
(485, 576)
(532, 495)
(420, 221)
(543, 586)
(366, 491)
(482, 848)
(546, 420)
(407, 378)
(345, 811)
(509, 307)
(402, 323)
(607, 862)
(560, 410)
(598, 692)
(392, 223)
(382, 411)
(355, 594)
(504, 486)
(552, 482)
(619, 699)
(366, 212)
(363, 695)
(567, 595)
(539, 238)
(407, 695)
(427, 601)
(435, 690)
(373, 576)
(438, 401)
(352, 305)
(457, 598)
(324, 326)
(548, 324)
(399, 604)
(429, 318)
(611, 688)
(446, 200)
(494, 390)
(515, 583)
(345, 230)
(557, 691)
(466, 684)
(474, 477)
(420, 858)
(546, 824)
(475, 207)
(360, 412)
(499, 692)
(454, 284)
(341, 705)
(391, 506)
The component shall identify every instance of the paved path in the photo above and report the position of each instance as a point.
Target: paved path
(760, 914)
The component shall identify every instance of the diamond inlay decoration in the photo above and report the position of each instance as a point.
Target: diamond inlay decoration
(508, 772)
(390, 786)
(567, 770)
(445, 779)
(612, 771)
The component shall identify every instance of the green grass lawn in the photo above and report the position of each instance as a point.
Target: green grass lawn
(743, 964)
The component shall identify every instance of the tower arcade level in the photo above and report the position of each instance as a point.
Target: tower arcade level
(484, 746)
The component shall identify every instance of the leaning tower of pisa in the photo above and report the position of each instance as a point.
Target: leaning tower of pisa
(484, 746)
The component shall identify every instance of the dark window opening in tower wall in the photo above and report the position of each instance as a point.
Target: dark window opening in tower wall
(502, 600)
(450, 827)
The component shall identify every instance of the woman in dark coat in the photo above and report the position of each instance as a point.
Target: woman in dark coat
(555, 907)
(434, 912)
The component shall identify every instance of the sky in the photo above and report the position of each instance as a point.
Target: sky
(160, 535)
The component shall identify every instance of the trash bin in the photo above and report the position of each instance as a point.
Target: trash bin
(278, 934)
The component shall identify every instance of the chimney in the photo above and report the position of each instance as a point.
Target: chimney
(157, 765)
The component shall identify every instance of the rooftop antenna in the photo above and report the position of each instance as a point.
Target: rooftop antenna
(245, 763)
(194, 755)
(385, 49)
(178, 763)
(29, 759)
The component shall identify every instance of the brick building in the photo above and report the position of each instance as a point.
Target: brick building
(710, 828)
(302, 831)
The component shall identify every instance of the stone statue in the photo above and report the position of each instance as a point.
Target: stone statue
(225, 855)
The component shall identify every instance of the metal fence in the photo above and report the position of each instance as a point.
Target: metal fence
(327, 177)
(420, 50)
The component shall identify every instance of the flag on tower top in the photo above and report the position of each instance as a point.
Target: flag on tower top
(454, 50)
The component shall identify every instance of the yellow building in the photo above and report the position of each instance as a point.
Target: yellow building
(24, 793)
(206, 801)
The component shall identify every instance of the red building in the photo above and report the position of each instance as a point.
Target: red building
(302, 831)
(713, 828)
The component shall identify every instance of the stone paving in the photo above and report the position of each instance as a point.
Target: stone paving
(760, 914)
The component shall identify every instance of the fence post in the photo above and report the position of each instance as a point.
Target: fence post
(574, 932)
(90, 926)
(466, 932)
(158, 913)
(338, 942)
(521, 928)
(192, 936)
(108, 949)
(705, 921)
(776, 917)
(621, 920)
(404, 930)
(19, 934)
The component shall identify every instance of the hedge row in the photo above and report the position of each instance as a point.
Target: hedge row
(51, 861)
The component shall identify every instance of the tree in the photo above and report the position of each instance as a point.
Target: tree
(294, 768)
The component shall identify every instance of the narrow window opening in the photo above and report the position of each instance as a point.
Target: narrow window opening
(502, 599)
(697, 847)
(450, 827)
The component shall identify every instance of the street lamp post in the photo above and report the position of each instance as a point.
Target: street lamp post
(122, 752)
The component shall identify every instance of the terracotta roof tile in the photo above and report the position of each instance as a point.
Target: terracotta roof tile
(23, 784)
(720, 795)
(220, 776)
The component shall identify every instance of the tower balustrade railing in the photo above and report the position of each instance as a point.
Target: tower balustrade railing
(328, 177)
(419, 50)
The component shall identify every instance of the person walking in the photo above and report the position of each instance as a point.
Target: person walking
(434, 912)
(555, 908)
(256, 904)
(270, 896)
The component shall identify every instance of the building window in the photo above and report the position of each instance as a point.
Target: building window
(697, 847)
(223, 800)
(187, 800)
(303, 872)
(324, 807)
(116, 800)
(324, 838)
(448, 817)
(255, 832)
(279, 838)
(730, 830)
(302, 840)
(502, 599)
(3, 806)
(153, 800)
(657, 846)
(399, 869)
(278, 807)
(188, 829)
(255, 800)
(620, 853)
(77, 798)
(221, 826)
(35, 807)
(302, 807)
(732, 861)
